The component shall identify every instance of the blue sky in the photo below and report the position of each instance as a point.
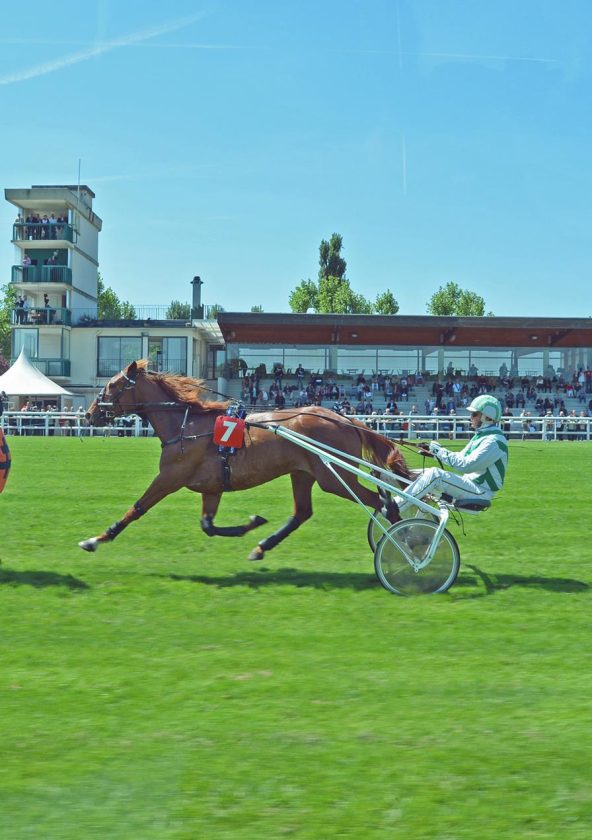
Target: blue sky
(444, 139)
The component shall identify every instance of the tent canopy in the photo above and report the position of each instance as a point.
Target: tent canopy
(24, 380)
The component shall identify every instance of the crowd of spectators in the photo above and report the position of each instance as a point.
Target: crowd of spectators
(529, 403)
(41, 226)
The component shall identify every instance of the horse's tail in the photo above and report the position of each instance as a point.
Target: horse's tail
(382, 451)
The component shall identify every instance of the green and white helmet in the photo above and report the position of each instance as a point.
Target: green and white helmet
(489, 407)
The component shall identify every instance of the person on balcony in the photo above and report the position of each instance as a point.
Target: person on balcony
(52, 226)
(49, 312)
(21, 310)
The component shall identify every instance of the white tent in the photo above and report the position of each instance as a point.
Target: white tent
(24, 380)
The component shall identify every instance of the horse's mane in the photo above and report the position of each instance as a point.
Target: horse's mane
(183, 389)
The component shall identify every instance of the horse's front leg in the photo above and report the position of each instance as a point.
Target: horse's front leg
(210, 504)
(159, 488)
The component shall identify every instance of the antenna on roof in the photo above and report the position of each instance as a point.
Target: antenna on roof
(77, 225)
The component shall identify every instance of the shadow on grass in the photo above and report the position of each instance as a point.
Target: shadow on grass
(495, 583)
(336, 580)
(286, 577)
(40, 580)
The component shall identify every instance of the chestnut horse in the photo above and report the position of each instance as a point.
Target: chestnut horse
(184, 421)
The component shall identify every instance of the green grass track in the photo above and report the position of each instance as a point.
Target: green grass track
(165, 688)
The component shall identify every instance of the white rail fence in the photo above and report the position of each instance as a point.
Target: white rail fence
(398, 427)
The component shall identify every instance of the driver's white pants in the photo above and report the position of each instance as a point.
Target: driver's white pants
(436, 481)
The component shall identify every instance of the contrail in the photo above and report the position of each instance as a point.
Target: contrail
(99, 49)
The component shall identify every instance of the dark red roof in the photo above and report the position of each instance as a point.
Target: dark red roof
(403, 330)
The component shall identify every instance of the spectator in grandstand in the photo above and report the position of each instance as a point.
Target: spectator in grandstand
(300, 373)
(480, 467)
(278, 372)
(548, 426)
(507, 424)
(404, 388)
(572, 425)
(392, 407)
(561, 425)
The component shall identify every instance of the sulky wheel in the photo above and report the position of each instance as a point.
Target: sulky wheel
(375, 532)
(399, 559)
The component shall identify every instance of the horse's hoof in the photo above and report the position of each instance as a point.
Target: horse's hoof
(89, 545)
(256, 521)
(257, 554)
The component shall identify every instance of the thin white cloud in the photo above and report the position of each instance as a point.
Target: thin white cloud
(99, 49)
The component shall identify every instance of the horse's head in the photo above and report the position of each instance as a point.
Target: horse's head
(116, 398)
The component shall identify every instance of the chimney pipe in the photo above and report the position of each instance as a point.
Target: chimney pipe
(197, 310)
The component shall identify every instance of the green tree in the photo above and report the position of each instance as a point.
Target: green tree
(331, 263)
(386, 303)
(109, 307)
(7, 305)
(332, 293)
(304, 296)
(214, 311)
(178, 311)
(452, 300)
(257, 308)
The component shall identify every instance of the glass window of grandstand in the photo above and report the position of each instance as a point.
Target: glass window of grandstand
(115, 353)
(349, 361)
(168, 354)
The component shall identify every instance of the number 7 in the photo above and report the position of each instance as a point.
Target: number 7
(230, 427)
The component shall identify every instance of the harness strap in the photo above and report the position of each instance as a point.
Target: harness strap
(226, 472)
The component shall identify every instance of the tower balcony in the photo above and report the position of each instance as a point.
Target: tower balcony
(42, 231)
(42, 274)
(46, 316)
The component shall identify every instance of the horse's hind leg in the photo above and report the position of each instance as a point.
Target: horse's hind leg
(302, 483)
(210, 503)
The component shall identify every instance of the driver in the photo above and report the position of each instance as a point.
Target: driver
(482, 464)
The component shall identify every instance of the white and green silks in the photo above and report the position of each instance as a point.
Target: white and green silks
(482, 465)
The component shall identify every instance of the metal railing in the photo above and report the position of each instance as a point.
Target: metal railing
(400, 427)
(42, 274)
(42, 315)
(44, 231)
(68, 423)
(50, 367)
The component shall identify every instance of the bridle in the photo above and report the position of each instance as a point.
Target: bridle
(106, 409)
